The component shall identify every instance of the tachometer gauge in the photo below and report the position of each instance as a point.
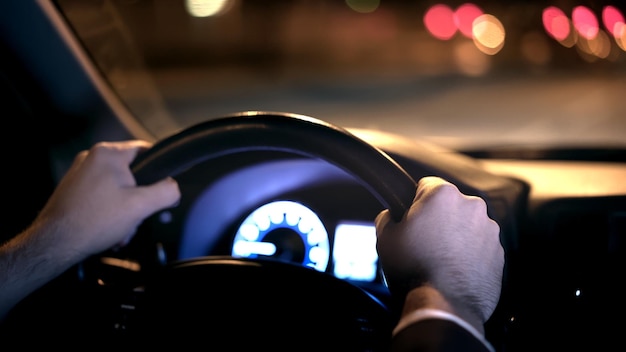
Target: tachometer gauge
(284, 230)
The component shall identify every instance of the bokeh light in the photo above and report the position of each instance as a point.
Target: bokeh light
(363, 6)
(439, 21)
(489, 34)
(585, 22)
(620, 36)
(464, 17)
(556, 23)
(593, 49)
(613, 20)
(470, 60)
(535, 48)
(207, 8)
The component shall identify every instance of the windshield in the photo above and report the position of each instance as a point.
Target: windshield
(465, 75)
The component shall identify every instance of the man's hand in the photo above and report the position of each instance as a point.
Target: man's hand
(447, 244)
(98, 202)
(97, 205)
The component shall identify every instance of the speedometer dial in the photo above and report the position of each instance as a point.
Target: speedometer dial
(284, 230)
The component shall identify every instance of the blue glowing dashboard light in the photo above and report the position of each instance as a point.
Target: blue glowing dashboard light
(284, 230)
(354, 251)
(290, 231)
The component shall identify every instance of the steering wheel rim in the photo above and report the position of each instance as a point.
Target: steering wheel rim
(298, 134)
(175, 293)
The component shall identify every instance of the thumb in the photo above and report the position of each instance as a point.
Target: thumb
(159, 195)
(381, 220)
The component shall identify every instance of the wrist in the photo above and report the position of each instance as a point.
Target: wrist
(428, 297)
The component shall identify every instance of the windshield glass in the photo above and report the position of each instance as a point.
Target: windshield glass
(465, 75)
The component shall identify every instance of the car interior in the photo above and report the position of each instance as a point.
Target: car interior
(289, 125)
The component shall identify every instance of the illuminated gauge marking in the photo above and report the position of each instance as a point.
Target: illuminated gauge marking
(284, 230)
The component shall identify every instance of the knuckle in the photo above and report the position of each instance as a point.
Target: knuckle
(478, 204)
(103, 151)
(82, 155)
(99, 148)
(446, 191)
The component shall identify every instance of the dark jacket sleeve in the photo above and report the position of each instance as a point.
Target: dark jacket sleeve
(436, 335)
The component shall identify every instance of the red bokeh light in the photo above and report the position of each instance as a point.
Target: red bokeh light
(613, 20)
(556, 23)
(464, 17)
(439, 21)
(585, 22)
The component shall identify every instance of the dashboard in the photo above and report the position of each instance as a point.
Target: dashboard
(562, 225)
(273, 205)
(281, 206)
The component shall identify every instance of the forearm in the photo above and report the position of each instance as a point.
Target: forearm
(27, 262)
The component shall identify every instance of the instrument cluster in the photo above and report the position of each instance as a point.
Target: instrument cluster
(297, 210)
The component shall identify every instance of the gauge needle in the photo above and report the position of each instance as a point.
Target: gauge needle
(260, 248)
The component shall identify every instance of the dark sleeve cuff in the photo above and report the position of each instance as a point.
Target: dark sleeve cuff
(436, 335)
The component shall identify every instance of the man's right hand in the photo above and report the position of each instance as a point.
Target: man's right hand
(446, 244)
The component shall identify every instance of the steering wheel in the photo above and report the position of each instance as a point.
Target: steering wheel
(209, 298)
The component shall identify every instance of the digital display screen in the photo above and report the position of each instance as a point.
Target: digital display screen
(354, 252)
